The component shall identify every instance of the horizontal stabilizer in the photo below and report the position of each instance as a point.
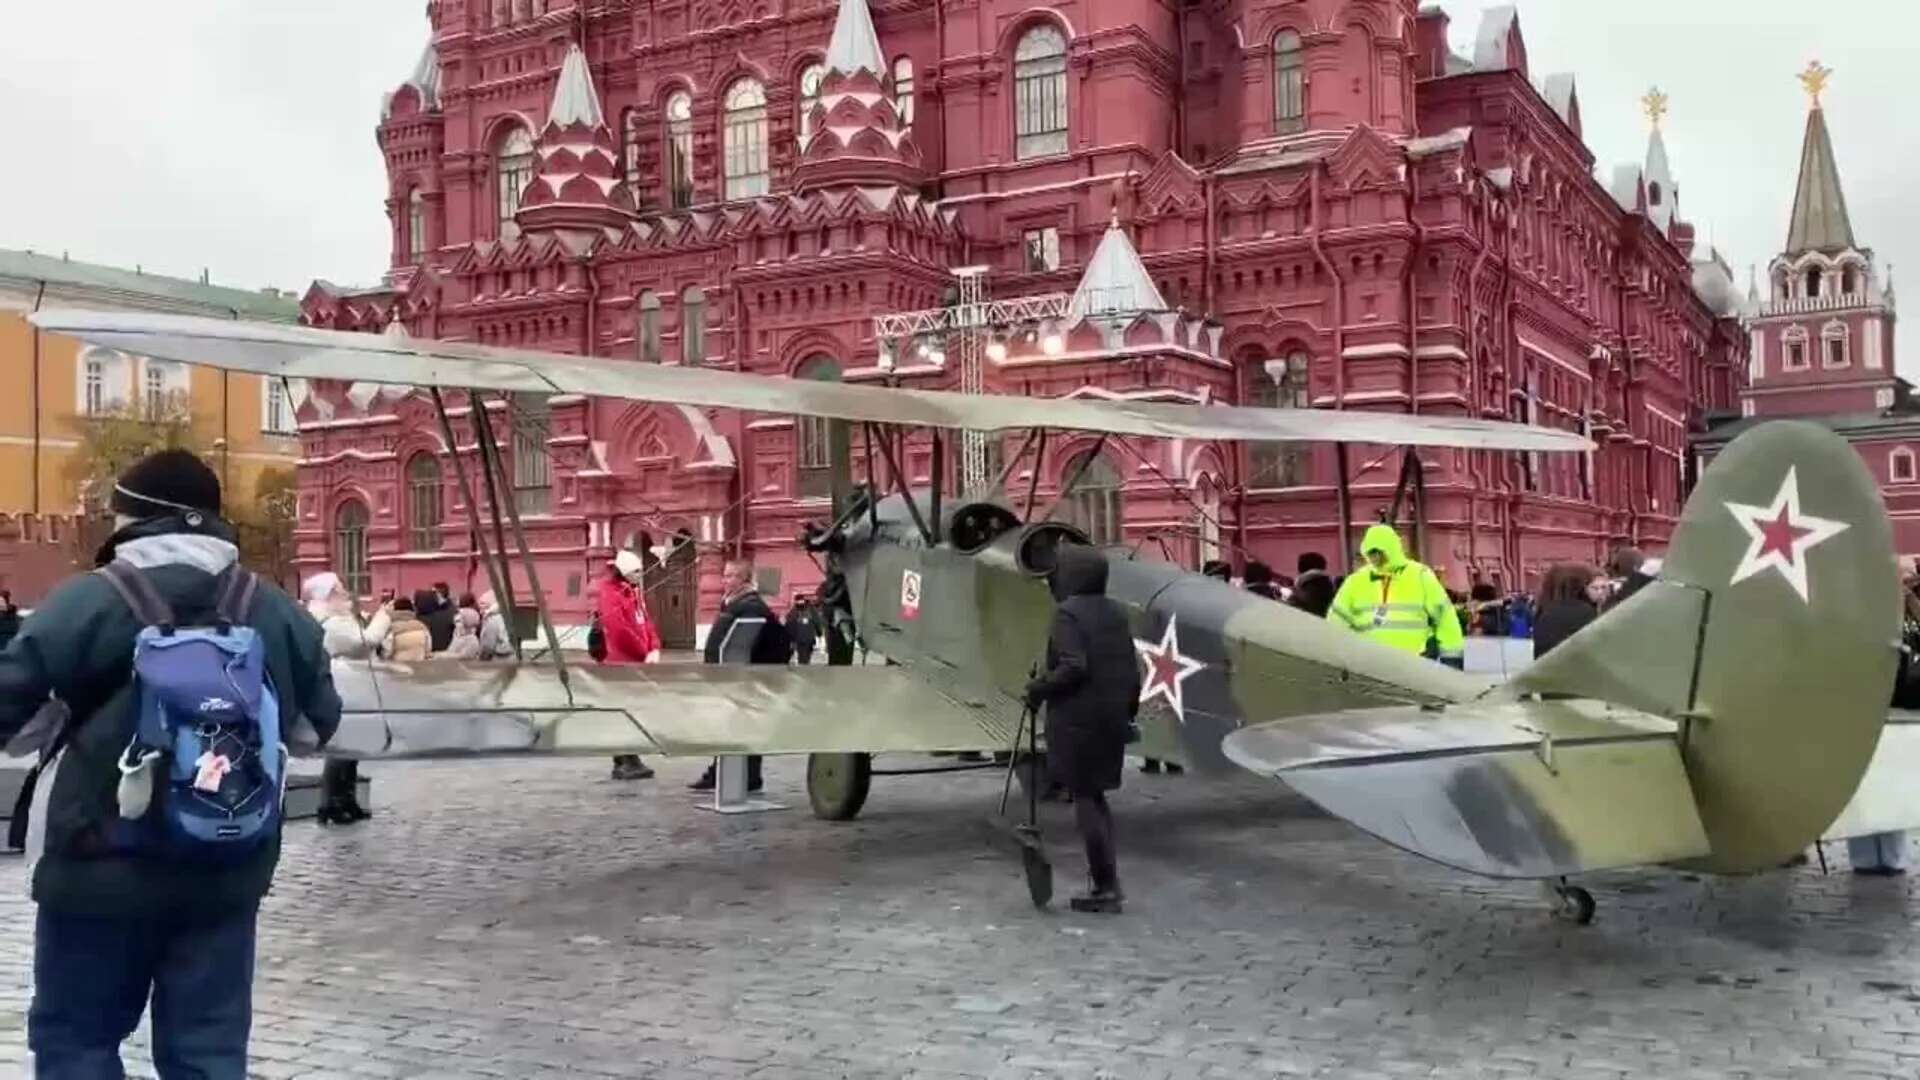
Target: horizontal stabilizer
(1888, 798)
(446, 708)
(1516, 789)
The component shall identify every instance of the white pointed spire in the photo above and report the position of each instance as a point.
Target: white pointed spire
(574, 99)
(1116, 281)
(425, 81)
(1662, 193)
(855, 43)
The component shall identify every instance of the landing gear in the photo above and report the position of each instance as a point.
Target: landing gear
(837, 784)
(1571, 902)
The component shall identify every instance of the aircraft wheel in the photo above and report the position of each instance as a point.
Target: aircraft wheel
(1576, 905)
(837, 784)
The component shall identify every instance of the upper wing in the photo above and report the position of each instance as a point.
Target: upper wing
(302, 352)
(1521, 789)
(446, 708)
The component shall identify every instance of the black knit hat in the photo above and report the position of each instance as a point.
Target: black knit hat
(167, 482)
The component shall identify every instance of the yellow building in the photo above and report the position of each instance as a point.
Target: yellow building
(49, 384)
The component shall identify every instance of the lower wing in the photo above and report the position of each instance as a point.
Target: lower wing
(444, 708)
(1514, 789)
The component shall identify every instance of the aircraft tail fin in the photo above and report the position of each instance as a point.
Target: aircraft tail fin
(1770, 635)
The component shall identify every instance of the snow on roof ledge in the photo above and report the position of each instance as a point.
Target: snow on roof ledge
(1434, 144)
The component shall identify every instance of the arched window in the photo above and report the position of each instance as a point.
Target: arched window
(647, 333)
(1095, 502)
(513, 169)
(416, 226)
(1653, 193)
(103, 380)
(530, 418)
(693, 326)
(1289, 84)
(810, 80)
(1900, 465)
(1849, 281)
(630, 146)
(1813, 282)
(680, 150)
(350, 548)
(425, 509)
(1040, 92)
(813, 435)
(1833, 345)
(1277, 465)
(903, 91)
(746, 140)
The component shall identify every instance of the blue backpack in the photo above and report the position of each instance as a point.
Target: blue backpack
(204, 775)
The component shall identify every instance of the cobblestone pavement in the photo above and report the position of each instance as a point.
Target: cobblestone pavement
(534, 920)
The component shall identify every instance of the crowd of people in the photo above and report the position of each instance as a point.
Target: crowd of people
(403, 629)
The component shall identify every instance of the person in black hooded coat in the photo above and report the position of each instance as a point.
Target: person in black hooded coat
(1091, 689)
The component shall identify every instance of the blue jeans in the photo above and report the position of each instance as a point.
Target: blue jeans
(92, 978)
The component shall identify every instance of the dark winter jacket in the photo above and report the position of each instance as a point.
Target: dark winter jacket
(1633, 583)
(1091, 682)
(9, 624)
(1313, 593)
(78, 647)
(801, 629)
(746, 632)
(1559, 621)
(439, 616)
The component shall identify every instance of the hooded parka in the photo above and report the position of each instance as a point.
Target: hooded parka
(1091, 683)
(1402, 606)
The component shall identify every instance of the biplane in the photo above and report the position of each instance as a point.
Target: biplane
(1722, 719)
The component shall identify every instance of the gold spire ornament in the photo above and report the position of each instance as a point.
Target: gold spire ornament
(1815, 80)
(1656, 105)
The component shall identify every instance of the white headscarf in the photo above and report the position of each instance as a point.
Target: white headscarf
(319, 587)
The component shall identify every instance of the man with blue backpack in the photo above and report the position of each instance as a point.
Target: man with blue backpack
(163, 692)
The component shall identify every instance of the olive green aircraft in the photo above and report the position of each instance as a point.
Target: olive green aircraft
(1724, 718)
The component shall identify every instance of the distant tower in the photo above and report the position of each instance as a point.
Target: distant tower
(1663, 195)
(1822, 339)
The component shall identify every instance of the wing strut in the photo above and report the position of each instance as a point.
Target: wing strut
(1033, 478)
(520, 541)
(483, 442)
(1073, 480)
(466, 494)
(1411, 489)
(900, 480)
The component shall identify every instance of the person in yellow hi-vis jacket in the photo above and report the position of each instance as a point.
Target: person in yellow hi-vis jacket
(1398, 602)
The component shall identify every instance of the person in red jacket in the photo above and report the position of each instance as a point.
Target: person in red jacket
(630, 634)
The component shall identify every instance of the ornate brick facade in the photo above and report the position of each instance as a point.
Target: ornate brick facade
(1337, 210)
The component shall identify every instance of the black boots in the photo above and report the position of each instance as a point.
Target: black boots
(1098, 901)
(630, 767)
(339, 795)
(755, 782)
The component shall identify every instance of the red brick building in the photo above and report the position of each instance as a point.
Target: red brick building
(1822, 337)
(1314, 202)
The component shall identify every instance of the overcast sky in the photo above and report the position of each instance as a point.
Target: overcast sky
(240, 139)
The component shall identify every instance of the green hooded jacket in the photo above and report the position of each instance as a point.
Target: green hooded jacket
(1403, 606)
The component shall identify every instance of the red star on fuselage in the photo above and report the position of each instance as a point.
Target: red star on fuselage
(1167, 670)
(1779, 536)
